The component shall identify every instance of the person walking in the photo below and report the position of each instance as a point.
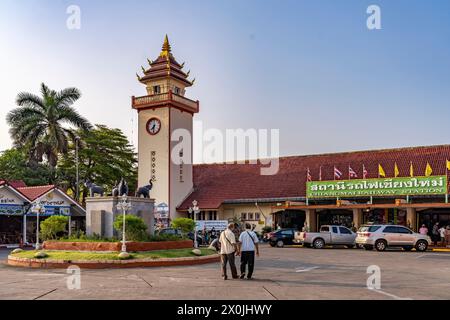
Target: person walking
(435, 233)
(442, 235)
(228, 250)
(423, 230)
(248, 241)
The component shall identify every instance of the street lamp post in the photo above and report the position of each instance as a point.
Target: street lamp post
(124, 205)
(195, 210)
(77, 139)
(37, 208)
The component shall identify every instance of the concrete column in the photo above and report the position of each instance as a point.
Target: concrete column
(70, 226)
(357, 218)
(311, 219)
(24, 229)
(411, 218)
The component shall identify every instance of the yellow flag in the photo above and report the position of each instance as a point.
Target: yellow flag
(381, 172)
(428, 170)
(448, 165)
(411, 170)
(396, 171)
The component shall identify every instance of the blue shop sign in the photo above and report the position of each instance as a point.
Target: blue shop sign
(11, 210)
(53, 211)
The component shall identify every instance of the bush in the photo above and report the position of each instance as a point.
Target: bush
(186, 225)
(135, 227)
(53, 227)
(267, 229)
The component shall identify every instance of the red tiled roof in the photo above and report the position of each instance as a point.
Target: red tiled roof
(14, 184)
(33, 193)
(216, 183)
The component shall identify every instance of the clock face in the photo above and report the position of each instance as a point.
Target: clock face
(153, 126)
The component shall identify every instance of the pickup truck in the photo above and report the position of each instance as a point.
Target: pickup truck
(328, 235)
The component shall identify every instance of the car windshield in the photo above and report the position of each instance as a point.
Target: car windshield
(369, 228)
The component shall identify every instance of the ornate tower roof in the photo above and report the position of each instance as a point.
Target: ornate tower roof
(165, 66)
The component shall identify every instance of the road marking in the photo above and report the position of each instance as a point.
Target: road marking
(433, 254)
(43, 295)
(45, 274)
(390, 294)
(306, 270)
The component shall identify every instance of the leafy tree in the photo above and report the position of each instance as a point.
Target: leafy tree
(186, 225)
(14, 166)
(135, 227)
(38, 123)
(105, 155)
(53, 227)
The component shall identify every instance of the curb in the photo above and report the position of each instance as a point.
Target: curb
(107, 264)
(441, 250)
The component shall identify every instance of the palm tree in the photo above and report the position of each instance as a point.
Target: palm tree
(37, 123)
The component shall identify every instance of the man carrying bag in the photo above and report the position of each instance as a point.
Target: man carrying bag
(228, 250)
(248, 244)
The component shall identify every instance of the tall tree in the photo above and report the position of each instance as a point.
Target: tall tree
(38, 123)
(105, 155)
(14, 166)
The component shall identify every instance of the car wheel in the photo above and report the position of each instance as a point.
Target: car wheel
(368, 247)
(318, 243)
(421, 245)
(380, 245)
(272, 244)
(408, 248)
(280, 244)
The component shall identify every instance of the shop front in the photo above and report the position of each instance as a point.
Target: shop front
(385, 216)
(340, 217)
(12, 207)
(289, 219)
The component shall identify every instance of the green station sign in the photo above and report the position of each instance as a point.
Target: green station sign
(434, 185)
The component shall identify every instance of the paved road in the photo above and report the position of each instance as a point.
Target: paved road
(288, 273)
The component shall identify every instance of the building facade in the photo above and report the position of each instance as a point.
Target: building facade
(238, 192)
(18, 222)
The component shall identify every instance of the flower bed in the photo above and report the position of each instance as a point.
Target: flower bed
(116, 246)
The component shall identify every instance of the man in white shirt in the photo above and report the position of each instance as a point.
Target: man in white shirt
(228, 249)
(248, 244)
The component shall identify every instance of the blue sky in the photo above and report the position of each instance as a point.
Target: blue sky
(310, 68)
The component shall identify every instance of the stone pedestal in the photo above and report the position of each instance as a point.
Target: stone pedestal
(102, 211)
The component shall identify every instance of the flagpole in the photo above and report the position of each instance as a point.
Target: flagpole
(446, 174)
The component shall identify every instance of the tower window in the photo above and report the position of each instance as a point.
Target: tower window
(176, 90)
(156, 89)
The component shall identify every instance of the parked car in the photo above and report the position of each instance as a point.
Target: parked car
(281, 237)
(328, 235)
(382, 237)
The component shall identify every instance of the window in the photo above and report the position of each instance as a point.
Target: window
(390, 229)
(244, 216)
(250, 216)
(335, 230)
(287, 232)
(325, 229)
(344, 230)
(257, 216)
(176, 90)
(403, 230)
(156, 89)
(369, 228)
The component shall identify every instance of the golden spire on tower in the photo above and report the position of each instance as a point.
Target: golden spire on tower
(166, 49)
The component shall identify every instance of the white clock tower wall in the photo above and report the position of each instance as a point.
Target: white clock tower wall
(181, 180)
(154, 154)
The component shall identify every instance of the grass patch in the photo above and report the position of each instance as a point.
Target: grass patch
(82, 255)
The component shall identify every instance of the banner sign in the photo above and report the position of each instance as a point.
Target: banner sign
(218, 225)
(433, 185)
(11, 210)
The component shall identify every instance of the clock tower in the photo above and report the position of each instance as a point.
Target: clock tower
(160, 113)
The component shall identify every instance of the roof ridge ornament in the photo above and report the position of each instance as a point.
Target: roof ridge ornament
(166, 48)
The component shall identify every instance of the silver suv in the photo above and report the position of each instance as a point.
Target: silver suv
(384, 236)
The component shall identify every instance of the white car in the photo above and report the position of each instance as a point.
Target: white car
(381, 237)
(328, 235)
